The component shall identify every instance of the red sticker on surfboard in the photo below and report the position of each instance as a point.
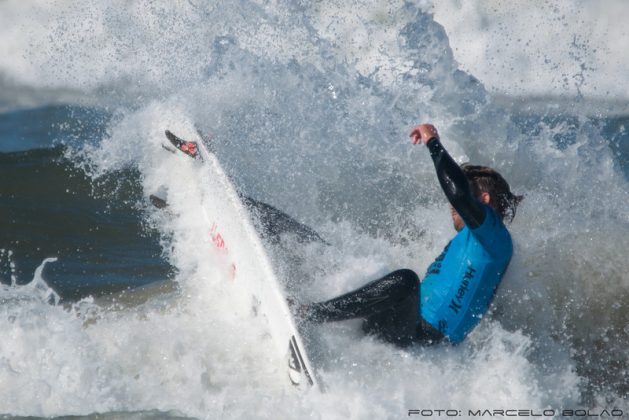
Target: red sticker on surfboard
(219, 242)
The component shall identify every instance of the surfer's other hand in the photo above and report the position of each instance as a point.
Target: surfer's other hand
(423, 132)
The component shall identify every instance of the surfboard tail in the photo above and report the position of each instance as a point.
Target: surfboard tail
(297, 368)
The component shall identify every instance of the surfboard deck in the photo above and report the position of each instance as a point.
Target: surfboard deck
(243, 250)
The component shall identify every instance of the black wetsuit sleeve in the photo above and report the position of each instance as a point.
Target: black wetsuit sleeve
(456, 186)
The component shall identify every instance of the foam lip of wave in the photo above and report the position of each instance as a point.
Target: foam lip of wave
(560, 48)
(37, 287)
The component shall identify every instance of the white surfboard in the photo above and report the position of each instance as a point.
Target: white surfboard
(236, 240)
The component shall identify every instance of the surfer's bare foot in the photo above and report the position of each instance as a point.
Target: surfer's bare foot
(189, 148)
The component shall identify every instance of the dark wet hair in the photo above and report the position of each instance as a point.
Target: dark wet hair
(485, 179)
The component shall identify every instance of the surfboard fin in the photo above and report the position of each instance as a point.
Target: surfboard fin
(296, 368)
(158, 202)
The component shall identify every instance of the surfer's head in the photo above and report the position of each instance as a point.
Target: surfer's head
(492, 189)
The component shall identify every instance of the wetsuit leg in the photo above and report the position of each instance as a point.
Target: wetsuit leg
(427, 334)
(389, 306)
(274, 222)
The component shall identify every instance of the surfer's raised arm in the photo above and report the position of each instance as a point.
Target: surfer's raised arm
(452, 178)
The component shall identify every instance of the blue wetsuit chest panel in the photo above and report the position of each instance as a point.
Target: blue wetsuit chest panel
(460, 284)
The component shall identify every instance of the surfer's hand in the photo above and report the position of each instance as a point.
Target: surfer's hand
(423, 132)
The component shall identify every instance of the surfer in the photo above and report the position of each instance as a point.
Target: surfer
(460, 284)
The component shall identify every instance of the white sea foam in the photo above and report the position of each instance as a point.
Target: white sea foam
(556, 48)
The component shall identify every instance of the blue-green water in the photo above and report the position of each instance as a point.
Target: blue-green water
(50, 208)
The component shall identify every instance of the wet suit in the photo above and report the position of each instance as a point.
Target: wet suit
(272, 223)
(457, 288)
